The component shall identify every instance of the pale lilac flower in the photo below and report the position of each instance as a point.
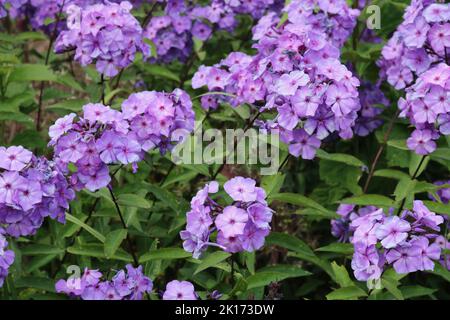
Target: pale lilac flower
(14, 158)
(392, 232)
(232, 221)
(180, 290)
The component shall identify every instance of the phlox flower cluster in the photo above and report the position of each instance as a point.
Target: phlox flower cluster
(416, 59)
(105, 34)
(296, 74)
(6, 257)
(39, 12)
(410, 242)
(31, 188)
(103, 136)
(243, 225)
(173, 32)
(128, 284)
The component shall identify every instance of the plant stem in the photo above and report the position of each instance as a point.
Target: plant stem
(232, 271)
(124, 225)
(102, 83)
(380, 150)
(412, 178)
(285, 161)
(47, 58)
(149, 14)
(249, 124)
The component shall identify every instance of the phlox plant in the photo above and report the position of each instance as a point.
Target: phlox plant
(96, 96)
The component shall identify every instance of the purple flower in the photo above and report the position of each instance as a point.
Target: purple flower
(296, 73)
(14, 158)
(198, 221)
(95, 180)
(422, 142)
(240, 226)
(105, 34)
(392, 232)
(288, 84)
(260, 215)
(232, 221)
(428, 252)
(241, 189)
(6, 257)
(415, 59)
(129, 284)
(303, 144)
(253, 237)
(405, 259)
(179, 290)
(365, 262)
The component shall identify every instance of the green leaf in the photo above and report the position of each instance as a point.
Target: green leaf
(441, 271)
(70, 82)
(72, 105)
(164, 254)
(163, 195)
(390, 173)
(32, 72)
(347, 293)
(414, 162)
(272, 183)
(343, 248)
(340, 175)
(39, 283)
(398, 144)
(40, 249)
(89, 229)
(441, 153)
(437, 207)
(340, 157)
(300, 200)
(341, 275)
(113, 241)
(369, 200)
(300, 250)
(409, 292)
(212, 260)
(276, 273)
(391, 286)
(404, 188)
(98, 251)
(133, 200)
(290, 242)
(160, 71)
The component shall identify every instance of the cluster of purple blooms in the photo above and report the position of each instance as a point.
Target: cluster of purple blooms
(103, 136)
(107, 34)
(6, 257)
(243, 225)
(39, 12)
(129, 284)
(416, 59)
(173, 32)
(409, 242)
(31, 188)
(296, 73)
